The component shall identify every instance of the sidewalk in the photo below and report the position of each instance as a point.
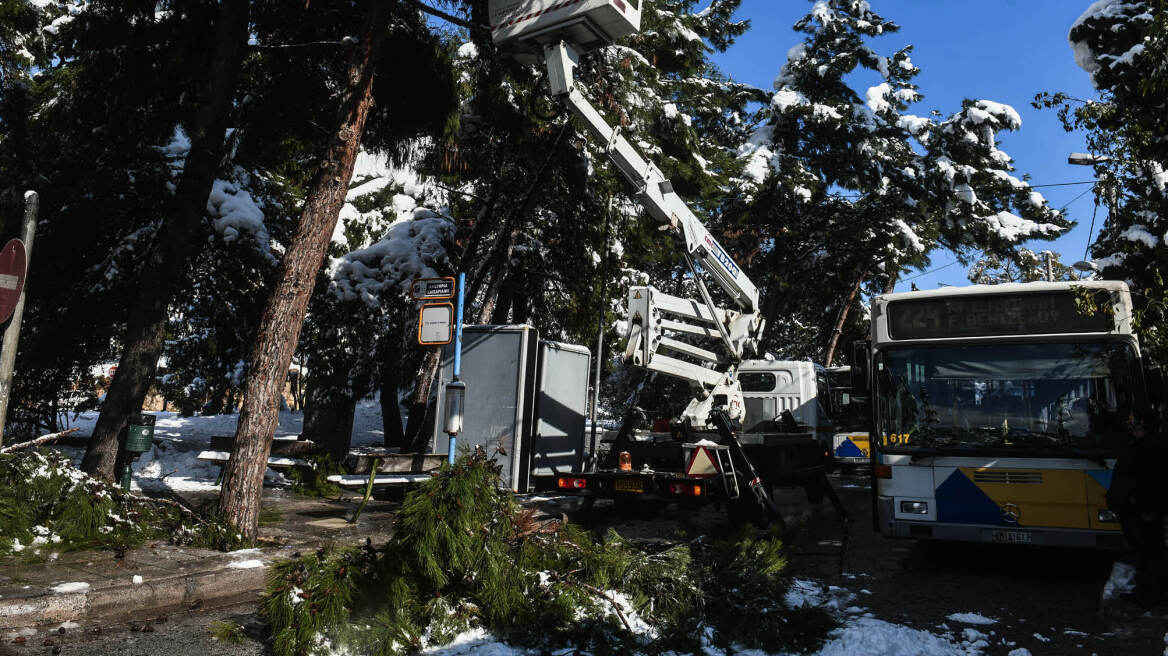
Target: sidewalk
(159, 579)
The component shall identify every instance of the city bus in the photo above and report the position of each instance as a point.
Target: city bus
(850, 417)
(999, 410)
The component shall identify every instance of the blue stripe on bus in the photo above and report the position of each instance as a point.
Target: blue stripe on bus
(961, 501)
(1102, 477)
(848, 449)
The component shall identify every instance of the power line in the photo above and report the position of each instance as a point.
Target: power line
(1064, 207)
(1034, 186)
(1062, 184)
(925, 273)
(1087, 250)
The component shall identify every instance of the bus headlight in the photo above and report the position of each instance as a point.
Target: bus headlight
(914, 507)
(1107, 517)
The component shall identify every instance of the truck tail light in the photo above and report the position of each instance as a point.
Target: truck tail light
(882, 471)
(685, 489)
(572, 483)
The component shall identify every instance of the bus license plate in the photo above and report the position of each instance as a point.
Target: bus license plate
(1013, 537)
(627, 485)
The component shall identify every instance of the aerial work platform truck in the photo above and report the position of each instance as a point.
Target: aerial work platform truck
(705, 456)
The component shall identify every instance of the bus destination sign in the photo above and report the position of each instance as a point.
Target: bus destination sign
(1034, 313)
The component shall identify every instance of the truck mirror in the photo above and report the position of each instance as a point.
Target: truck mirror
(861, 357)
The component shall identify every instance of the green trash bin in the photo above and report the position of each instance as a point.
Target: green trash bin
(140, 433)
(139, 438)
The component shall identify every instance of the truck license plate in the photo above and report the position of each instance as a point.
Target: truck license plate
(1013, 537)
(627, 485)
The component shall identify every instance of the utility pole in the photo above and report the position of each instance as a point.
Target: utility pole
(1049, 266)
(12, 333)
(600, 328)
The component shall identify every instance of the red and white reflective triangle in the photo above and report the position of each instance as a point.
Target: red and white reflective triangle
(701, 464)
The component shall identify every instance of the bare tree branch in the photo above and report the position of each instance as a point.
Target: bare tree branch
(446, 17)
(345, 42)
(40, 440)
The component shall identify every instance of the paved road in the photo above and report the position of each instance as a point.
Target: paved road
(179, 635)
(1045, 600)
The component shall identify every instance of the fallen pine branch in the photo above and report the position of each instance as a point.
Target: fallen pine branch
(40, 440)
(603, 595)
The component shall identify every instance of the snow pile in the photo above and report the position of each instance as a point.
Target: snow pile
(400, 236)
(405, 253)
(971, 618)
(233, 211)
(809, 593)
(245, 564)
(1122, 579)
(873, 637)
(66, 588)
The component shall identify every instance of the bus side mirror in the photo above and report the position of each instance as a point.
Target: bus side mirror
(861, 360)
(1154, 383)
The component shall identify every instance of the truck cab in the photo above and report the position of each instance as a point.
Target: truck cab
(770, 387)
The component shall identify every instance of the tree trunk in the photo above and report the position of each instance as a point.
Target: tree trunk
(417, 437)
(391, 371)
(330, 410)
(279, 329)
(890, 285)
(178, 240)
(841, 320)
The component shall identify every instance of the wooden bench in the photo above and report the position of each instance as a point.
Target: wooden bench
(275, 462)
(372, 468)
(285, 453)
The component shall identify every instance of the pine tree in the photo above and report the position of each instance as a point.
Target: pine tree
(1123, 47)
(1021, 265)
(90, 132)
(177, 239)
(848, 190)
(536, 249)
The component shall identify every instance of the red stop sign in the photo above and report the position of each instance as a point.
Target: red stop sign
(12, 270)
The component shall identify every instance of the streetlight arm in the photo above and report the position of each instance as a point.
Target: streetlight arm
(1086, 159)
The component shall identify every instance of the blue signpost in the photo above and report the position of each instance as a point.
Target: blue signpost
(456, 389)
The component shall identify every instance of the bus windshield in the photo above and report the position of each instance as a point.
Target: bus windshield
(1015, 399)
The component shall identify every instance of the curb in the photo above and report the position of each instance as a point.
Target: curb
(211, 581)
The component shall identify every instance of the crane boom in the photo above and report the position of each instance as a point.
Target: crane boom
(654, 191)
(553, 30)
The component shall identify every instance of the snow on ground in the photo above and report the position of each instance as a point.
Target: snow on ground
(64, 588)
(173, 464)
(971, 618)
(1123, 579)
(245, 564)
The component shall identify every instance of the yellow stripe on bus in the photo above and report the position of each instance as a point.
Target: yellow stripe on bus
(1049, 498)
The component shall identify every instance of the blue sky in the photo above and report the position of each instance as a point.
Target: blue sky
(1002, 50)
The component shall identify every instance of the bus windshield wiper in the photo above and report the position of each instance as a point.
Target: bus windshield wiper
(924, 453)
